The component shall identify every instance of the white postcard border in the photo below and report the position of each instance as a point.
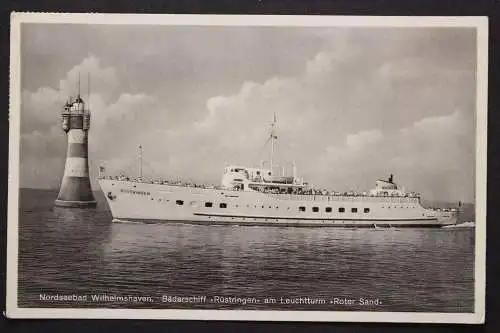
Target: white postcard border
(480, 23)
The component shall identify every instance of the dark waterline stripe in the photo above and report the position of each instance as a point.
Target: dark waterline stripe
(277, 224)
(312, 218)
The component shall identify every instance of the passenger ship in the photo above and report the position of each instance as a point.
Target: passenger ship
(257, 196)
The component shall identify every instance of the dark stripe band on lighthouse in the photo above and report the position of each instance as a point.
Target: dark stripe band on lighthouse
(76, 190)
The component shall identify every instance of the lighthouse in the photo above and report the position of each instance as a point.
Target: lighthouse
(75, 188)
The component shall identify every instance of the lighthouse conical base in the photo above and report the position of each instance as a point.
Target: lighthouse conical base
(76, 192)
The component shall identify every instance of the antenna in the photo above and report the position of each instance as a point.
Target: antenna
(140, 161)
(88, 91)
(272, 138)
(78, 84)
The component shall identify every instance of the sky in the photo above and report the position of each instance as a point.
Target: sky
(352, 104)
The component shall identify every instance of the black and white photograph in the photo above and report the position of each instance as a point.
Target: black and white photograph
(247, 167)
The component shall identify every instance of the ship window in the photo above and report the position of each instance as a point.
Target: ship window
(328, 209)
(341, 210)
(179, 202)
(366, 210)
(223, 205)
(302, 209)
(268, 173)
(354, 210)
(315, 209)
(258, 173)
(208, 204)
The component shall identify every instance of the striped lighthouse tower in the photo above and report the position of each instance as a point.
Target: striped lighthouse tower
(75, 187)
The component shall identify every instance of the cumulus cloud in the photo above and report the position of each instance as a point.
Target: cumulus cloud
(358, 106)
(322, 62)
(363, 139)
(432, 156)
(43, 138)
(103, 79)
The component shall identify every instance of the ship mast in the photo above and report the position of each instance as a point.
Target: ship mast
(272, 138)
(78, 84)
(140, 161)
(88, 90)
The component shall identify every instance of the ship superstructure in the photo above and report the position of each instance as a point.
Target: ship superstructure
(258, 196)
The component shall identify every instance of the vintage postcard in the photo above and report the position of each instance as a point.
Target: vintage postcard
(283, 168)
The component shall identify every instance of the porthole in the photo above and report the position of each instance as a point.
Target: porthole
(302, 209)
(179, 202)
(315, 209)
(328, 209)
(341, 209)
(354, 210)
(366, 210)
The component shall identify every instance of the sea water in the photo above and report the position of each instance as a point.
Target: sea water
(80, 258)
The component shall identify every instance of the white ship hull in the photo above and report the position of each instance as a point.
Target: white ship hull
(140, 201)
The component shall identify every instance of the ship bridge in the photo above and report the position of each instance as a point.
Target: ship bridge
(386, 187)
(247, 178)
